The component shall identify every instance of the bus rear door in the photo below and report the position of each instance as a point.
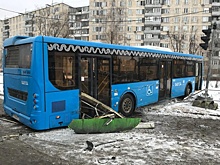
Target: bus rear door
(198, 83)
(95, 77)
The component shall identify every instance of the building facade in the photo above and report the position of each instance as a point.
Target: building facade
(174, 24)
(117, 21)
(79, 23)
(215, 10)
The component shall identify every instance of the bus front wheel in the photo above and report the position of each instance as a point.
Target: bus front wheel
(127, 106)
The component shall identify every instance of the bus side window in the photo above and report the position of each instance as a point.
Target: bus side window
(179, 68)
(62, 70)
(25, 56)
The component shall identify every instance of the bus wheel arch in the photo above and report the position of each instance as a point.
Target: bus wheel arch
(127, 104)
(188, 89)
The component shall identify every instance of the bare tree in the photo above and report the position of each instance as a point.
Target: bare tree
(176, 40)
(194, 40)
(48, 23)
(191, 40)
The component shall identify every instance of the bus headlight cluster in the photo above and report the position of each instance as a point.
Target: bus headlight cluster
(35, 101)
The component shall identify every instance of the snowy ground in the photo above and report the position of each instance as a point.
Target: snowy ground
(183, 134)
(140, 146)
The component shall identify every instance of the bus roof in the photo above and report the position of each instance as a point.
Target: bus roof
(103, 48)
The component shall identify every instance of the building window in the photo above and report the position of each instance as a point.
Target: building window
(194, 10)
(185, 2)
(165, 11)
(139, 28)
(165, 28)
(166, 2)
(138, 37)
(129, 12)
(204, 27)
(195, 2)
(166, 19)
(148, 36)
(194, 19)
(205, 19)
(185, 19)
(185, 28)
(139, 11)
(164, 45)
(177, 2)
(139, 20)
(206, 2)
(177, 10)
(206, 10)
(176, 28)
(185, 10)
(176, 19)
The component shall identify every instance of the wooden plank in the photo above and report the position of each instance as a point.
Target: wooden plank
(145, 125)
(99, 104)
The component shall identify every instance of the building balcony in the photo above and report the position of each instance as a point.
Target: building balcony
(152, 31)
(6, 30)
(28, 31)
(215, 4)
(215, 13)
(28, 18)
(152, 6)
(85, 27)
(6, 22)
(152, 40)
(28, 25)
(152, 14)
(29, 34)
(5, 35)
(152, 22)
(85, 19)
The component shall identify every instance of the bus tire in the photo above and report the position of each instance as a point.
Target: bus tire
(188, 90)
(126, 106)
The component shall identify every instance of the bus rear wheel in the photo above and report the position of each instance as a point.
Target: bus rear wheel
(188, 90)
(127, 106)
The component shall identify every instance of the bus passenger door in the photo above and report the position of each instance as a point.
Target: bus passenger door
(95, 78)
(198, 83)
(165, 79)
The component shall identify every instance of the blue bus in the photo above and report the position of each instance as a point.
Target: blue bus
(45, 76)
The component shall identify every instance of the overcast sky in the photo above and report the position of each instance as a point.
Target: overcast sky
(18, 6)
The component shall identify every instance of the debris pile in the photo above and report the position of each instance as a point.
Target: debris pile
(205, 101)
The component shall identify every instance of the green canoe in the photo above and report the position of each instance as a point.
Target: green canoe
(104, 125)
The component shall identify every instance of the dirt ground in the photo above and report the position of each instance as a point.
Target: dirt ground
(13, 151)
(181, 129)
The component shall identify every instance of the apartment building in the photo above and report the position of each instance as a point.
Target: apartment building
(79, 23)
(59, 20)
(152, 23)
(53, 20)
(117, 21)
(182, 24)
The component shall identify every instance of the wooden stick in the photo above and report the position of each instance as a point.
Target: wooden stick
(10, 121)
